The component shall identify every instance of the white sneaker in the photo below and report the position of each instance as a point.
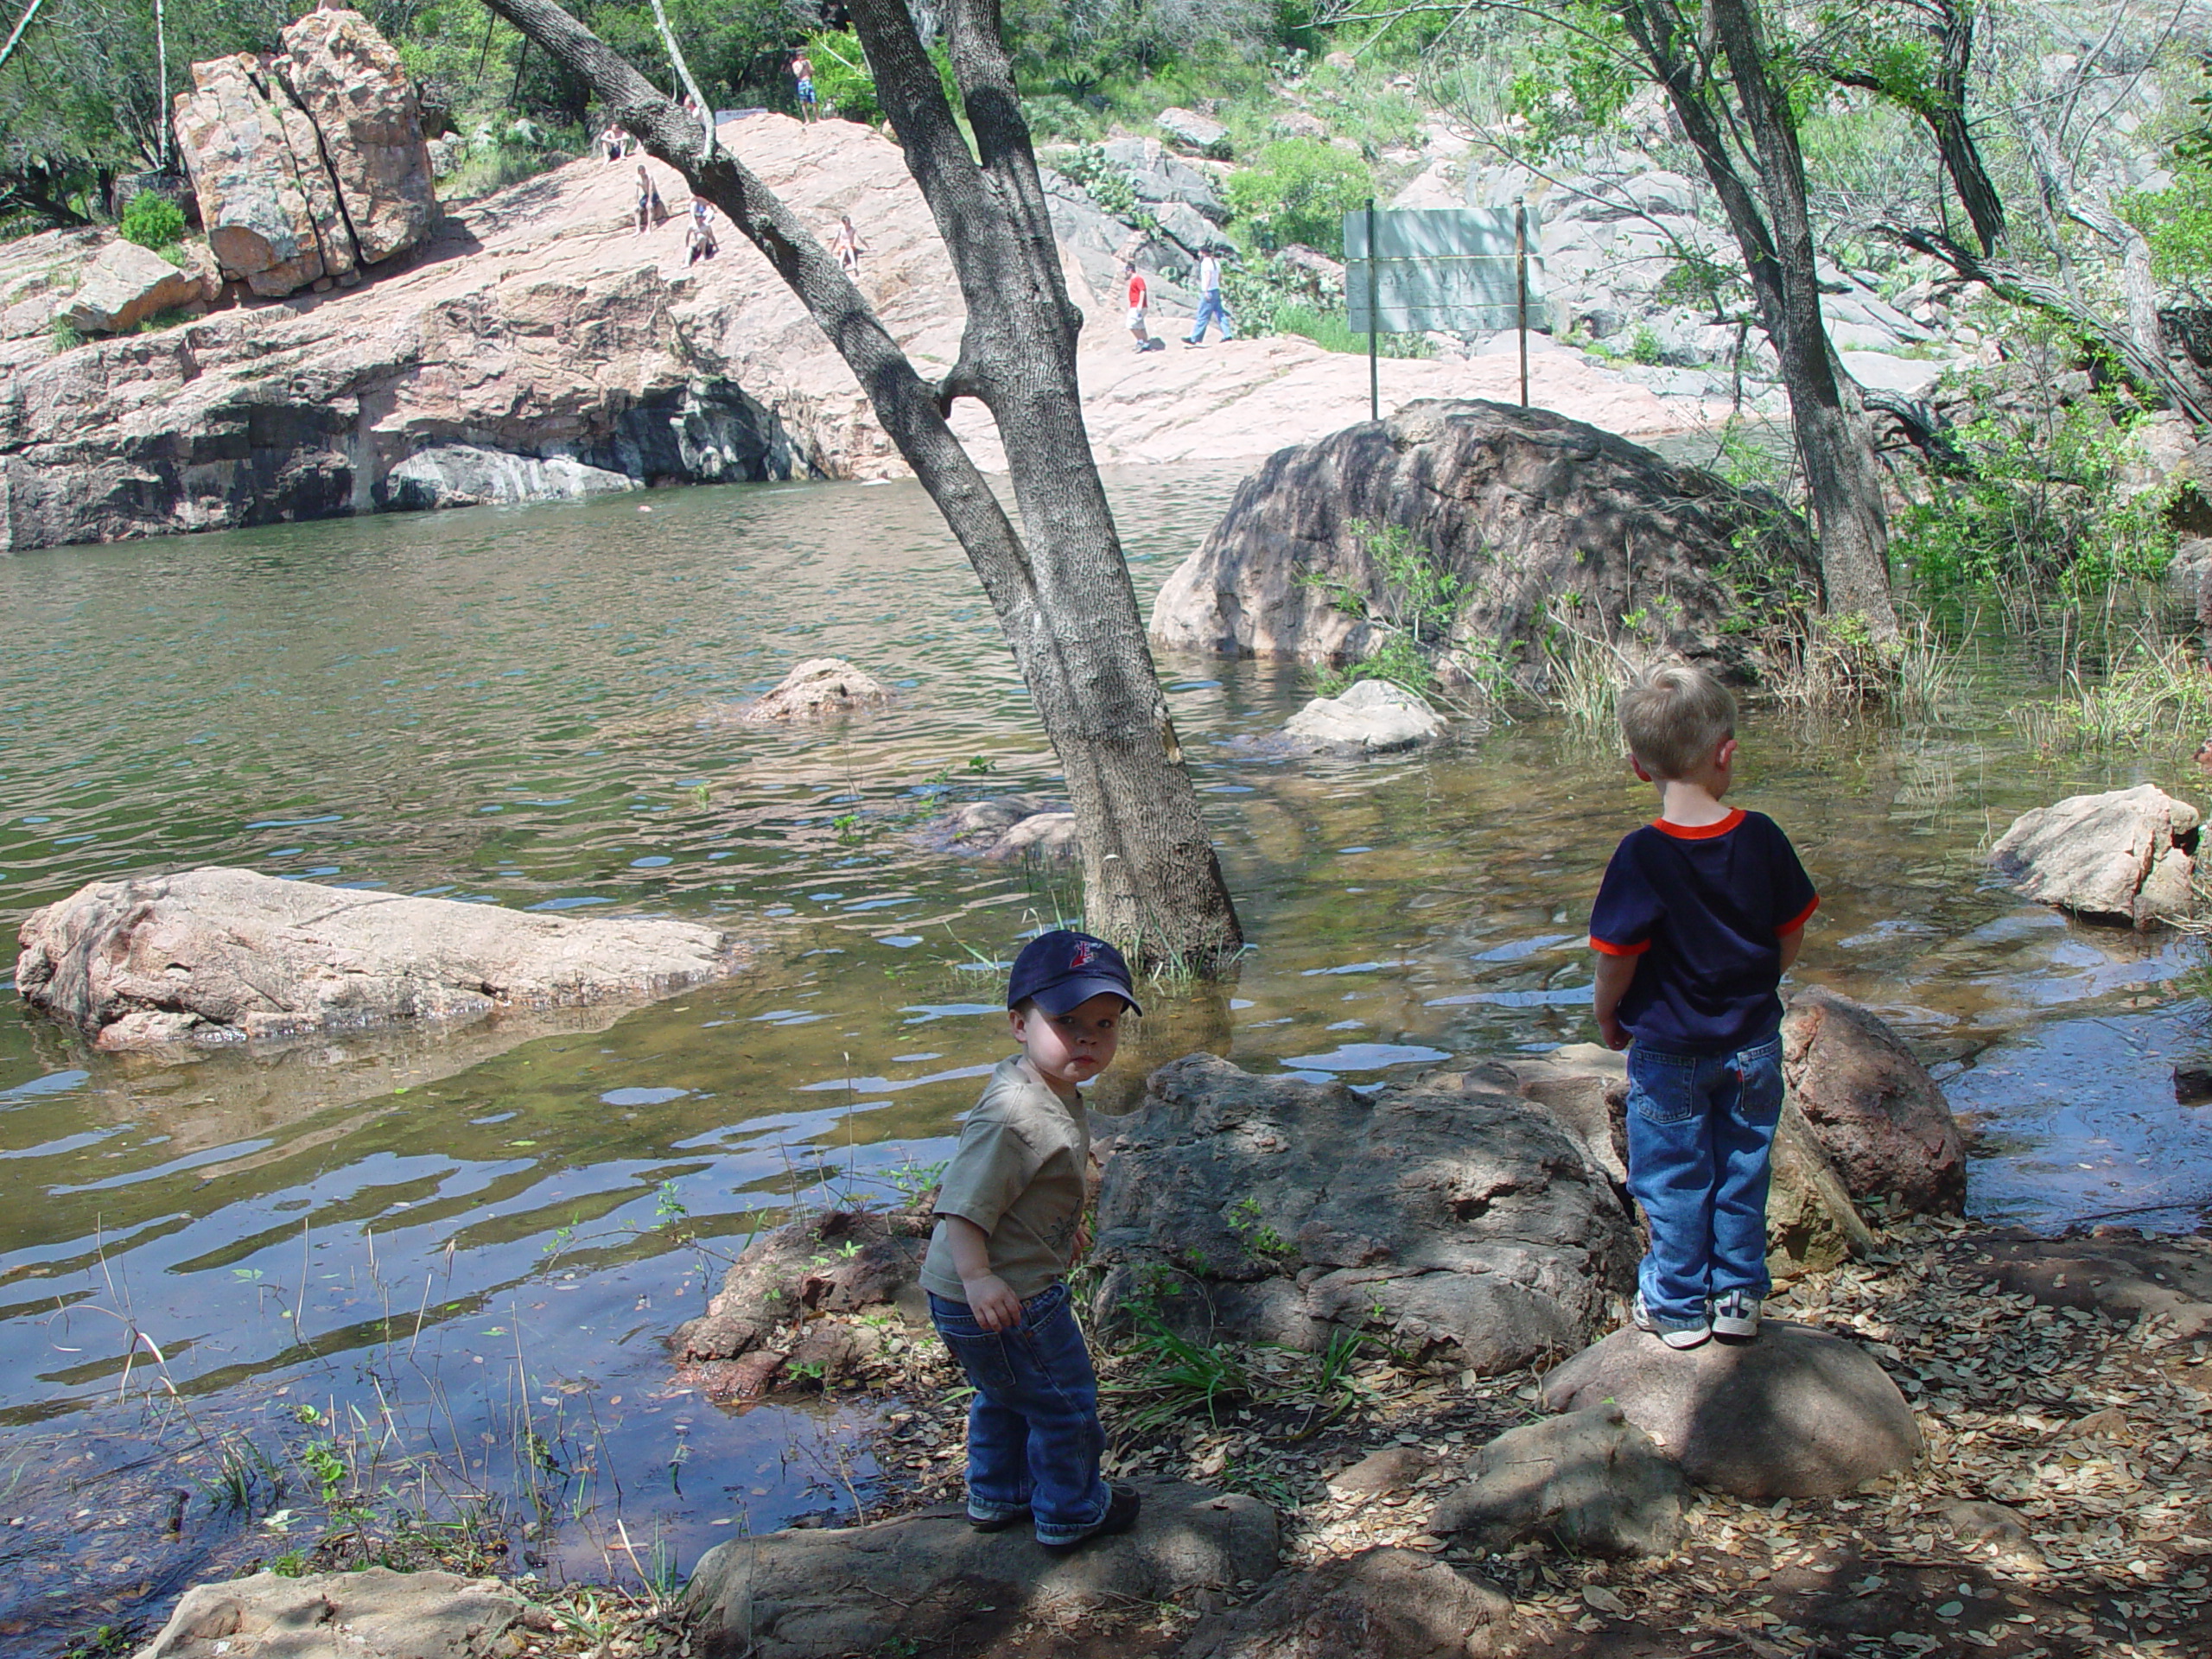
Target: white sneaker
(1681, 1336)
(1735, 1314)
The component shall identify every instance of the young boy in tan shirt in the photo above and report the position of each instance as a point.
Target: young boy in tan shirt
(1009, 1225)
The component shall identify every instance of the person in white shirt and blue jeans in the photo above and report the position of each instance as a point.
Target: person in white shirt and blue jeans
(1209, 306)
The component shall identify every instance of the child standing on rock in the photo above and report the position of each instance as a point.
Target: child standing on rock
(1009, 1225)
(1698, 917)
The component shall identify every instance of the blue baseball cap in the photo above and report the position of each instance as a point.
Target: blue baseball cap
(1062, 970)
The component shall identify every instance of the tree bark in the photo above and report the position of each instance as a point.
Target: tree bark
(1773, 229)
(1061, 590)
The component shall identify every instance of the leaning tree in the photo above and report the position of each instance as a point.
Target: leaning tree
(1059, 584)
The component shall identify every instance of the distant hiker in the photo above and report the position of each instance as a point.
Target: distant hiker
(612, 138)
(651, 210)
(1138, 296)
(699, 237)
(848, 247)
(803, 72)
(1209, 306)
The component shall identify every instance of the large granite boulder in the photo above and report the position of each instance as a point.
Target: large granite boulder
(351, 83)
(373, 1614)
(1200, 134)
(464, 476)
(2126, 855)
(1590, 1481)
(1448, 1215)
(1796, 1413)
(312, 164)
(1880, 1118)
(1530, 512)
(247, 173)
(913, 1585)
(221, 956)
(125, 284)
(1382, 1603)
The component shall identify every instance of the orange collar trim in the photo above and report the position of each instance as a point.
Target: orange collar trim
(1699, 831)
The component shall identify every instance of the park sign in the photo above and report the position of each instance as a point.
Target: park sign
(1410, 270)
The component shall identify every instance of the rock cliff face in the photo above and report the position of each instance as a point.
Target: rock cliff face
(311, 165)
(537, 326)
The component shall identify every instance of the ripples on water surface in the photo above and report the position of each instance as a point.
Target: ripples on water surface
(467, 1239)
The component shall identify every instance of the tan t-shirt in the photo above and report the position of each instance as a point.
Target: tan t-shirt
(1017, 1173)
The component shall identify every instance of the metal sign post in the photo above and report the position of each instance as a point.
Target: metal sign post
(1408, 270)
(1374, 351)
(1521, 281)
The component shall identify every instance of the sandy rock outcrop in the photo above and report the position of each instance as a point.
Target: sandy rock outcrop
(1451, 1214)
(219, 956)
(373, 1614)
(537, 323)
(932, 1578)
(2127, 856)
(1797, 1414)
(1524, 507)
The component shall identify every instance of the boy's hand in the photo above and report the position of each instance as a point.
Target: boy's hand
(1614, 1033)
(1082, 1241)
(994, 1304)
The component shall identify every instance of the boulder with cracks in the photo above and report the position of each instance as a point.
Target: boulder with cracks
(1448, 1213)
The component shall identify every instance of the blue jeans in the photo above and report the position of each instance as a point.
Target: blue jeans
(1033, 1435)
(1700, 1130)
(1209, 310)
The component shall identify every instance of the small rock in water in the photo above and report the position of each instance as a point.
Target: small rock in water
(373, 1614)
(2126, 855)
(819, 686)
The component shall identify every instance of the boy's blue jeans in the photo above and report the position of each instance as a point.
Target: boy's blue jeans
(1033, 1435)
(1701, 1129)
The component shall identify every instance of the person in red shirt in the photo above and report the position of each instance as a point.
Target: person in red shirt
(1138, 294)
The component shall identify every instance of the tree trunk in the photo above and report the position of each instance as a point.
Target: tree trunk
(1773, 229)
(1063, 594)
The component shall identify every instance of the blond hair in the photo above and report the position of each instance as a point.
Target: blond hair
(1675, 717)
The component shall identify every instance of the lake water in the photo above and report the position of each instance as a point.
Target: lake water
(449, 1265)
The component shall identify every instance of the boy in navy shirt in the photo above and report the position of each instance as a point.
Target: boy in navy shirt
(1697, 919)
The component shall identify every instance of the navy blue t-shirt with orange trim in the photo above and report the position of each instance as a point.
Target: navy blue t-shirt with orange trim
(1705, 907)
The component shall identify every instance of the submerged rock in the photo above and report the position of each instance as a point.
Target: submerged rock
(930, 1578)
(1880, 1118)
(1591, 1482)
(1381, 1604)
(1796, 1414)
(217, 956)
(373, 1614)
(1448, 1214)
(2126, 855)
(1368, 717)
(1007, 826)
(817, 689)
(1529, 510)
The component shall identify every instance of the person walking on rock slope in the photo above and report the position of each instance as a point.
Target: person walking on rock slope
(1140, 294)
(1209, 307)
(1698, 917)
(1009, 1225)
(803, 73)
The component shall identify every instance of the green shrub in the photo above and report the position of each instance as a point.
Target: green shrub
(63, 333)
(2038, 506)
(1300, 190)
(1107, 182)
(152, 221)
(842, 81)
